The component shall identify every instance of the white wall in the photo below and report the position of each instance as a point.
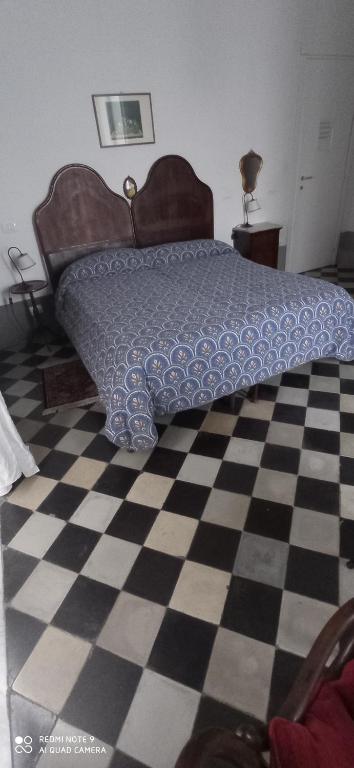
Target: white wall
(223, 75)
(348, 207)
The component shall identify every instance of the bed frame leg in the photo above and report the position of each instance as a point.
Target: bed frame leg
(253, 393)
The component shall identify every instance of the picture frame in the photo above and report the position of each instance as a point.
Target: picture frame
(123, 119)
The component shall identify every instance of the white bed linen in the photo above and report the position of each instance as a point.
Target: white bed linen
(15, 457)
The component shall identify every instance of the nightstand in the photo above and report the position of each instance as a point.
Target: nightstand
(29, 287)
(259, 243)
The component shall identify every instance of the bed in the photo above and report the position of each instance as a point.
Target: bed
(164, 317)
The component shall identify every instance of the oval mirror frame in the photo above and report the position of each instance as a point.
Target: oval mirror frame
(130, 187)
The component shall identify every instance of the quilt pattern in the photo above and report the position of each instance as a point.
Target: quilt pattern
(173, 327)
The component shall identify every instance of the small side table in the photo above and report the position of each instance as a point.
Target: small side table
(29, 287)
(259, 243)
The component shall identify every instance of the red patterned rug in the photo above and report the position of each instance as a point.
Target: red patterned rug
(67, 385)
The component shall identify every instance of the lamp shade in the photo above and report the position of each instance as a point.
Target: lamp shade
(24, 261)
(250, 166)
(253, 205)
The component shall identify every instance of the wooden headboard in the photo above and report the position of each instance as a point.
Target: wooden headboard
(82, 214)
(172, 205)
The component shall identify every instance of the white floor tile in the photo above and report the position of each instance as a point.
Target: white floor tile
(52, 668)
(37, 534)
(160, 706)
(111, 561)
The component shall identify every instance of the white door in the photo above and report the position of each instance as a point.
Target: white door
(325, 132)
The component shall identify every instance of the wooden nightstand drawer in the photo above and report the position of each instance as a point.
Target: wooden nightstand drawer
(259, 243)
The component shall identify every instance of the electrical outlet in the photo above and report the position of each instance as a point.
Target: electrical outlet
(8, 227)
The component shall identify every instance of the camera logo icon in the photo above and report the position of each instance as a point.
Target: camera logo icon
(23, 744)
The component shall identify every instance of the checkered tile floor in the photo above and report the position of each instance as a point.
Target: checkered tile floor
(149, 595)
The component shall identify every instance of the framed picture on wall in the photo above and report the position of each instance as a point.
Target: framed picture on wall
(123, 118)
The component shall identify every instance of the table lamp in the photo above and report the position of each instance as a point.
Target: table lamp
(250, 166)
(21, 261)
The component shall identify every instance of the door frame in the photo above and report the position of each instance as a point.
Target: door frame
(298, 123)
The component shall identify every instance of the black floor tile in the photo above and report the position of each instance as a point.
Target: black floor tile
(32, 347)
(326, 400)
(50, 434)
(16, 569)
(285, 670)
(160, 429)
(12, 518)
(165, 462)
(214, 545)
(102, 695)
(270, 519)
(101, 449)
(298, 380)
(182, 649)
(325, 369)
(267, 392)
(37, 393)
(347, 539)
(346, 471)
(313, 574)
(347, 386)
(85, 608)
(237, 478)
(63, 500)
(65, 352)
(35, 375)
(187, 499)
(252, 609)
(120, 760)
(22, 634)
(231, 405)
(289, 414)
(116, 481)
(347, 422)
(34, 361)
(321, 440)
(208, 444)
(154, 576)
(28, 718)
(5, 368)
(92, 421)
(280, 458)
(56, 464)
(10, 400)
(72, 547)
(315, 494)
(215, 714)
(132, 522)
(5, 383)
(251, 429)
(193, 419)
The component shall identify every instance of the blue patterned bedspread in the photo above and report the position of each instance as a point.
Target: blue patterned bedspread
(172, 327)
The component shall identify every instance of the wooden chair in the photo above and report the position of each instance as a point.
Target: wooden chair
(244, 747)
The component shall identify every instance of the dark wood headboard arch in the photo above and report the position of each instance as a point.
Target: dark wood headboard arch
(174, 204)
(81, 214)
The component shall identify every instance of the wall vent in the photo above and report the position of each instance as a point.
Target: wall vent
(325, 135)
